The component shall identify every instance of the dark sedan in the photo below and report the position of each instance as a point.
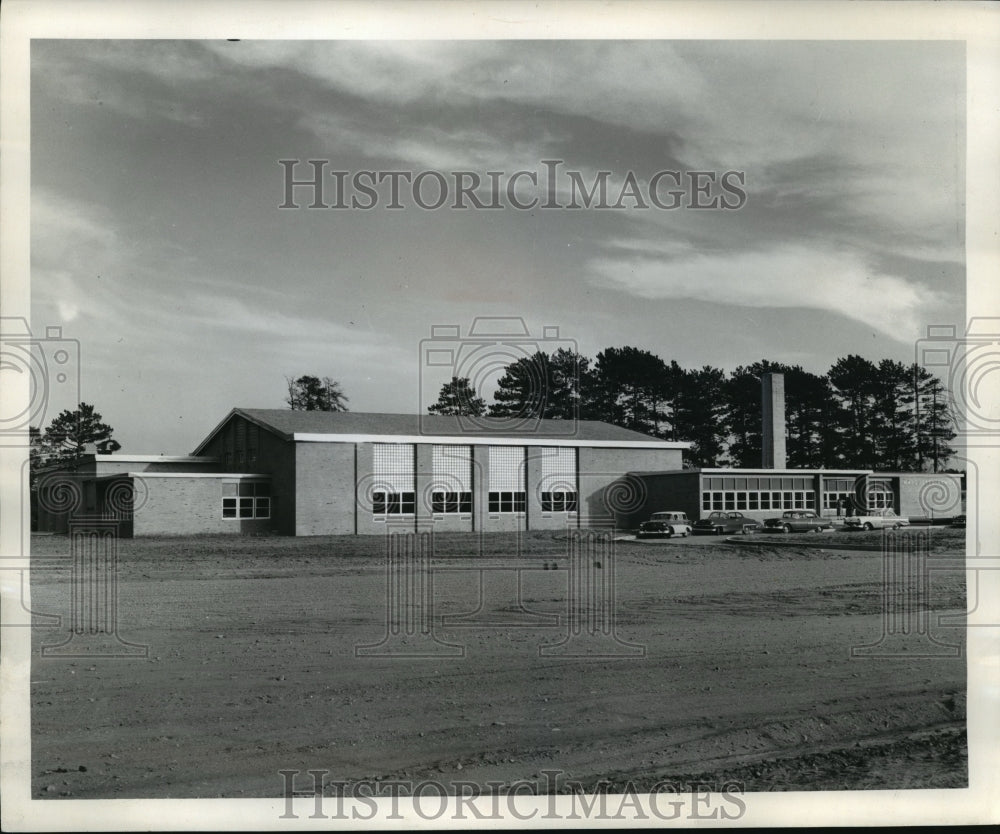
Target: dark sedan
(720, 524)
(797, 521)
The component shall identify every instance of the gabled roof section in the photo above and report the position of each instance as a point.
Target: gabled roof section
(356, 426)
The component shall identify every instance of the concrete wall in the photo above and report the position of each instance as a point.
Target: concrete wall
(184, 506)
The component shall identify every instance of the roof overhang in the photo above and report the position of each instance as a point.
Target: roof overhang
(153, 459)
(230, 475)
(489, 440)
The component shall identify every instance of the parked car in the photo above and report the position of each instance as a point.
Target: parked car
(876, 521)
(666, 523)
(958, 521)
(725, 523)
(797, 521)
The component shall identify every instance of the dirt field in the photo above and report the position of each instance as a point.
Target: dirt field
(746, 674)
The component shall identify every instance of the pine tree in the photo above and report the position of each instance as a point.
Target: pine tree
(699, 414)
(632, 388)
(523, 390)
(933, 425)
(457, 398)
(855, 380)
(893, 422)
(310, 393)
(65, 438)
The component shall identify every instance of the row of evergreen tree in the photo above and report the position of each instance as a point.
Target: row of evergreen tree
(887, 415)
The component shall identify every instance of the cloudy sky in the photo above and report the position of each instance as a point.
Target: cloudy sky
(158, 243)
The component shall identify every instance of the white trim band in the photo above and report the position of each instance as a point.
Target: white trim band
(488, 440)
(239, 476)
(155, 458)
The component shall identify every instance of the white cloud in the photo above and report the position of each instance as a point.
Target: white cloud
(787, 278)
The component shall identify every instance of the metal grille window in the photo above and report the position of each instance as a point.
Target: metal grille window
(246, 499)
(506, 492)
(558, 480)
(395, 482)
(756, 501)
(451, 490)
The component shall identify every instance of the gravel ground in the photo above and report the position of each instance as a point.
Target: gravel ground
(719, 663)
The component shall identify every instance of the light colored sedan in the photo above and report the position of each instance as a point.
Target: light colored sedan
(881, 521)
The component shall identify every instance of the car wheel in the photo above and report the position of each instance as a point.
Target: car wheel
(869, 526)
(817, 529)
(786, 528)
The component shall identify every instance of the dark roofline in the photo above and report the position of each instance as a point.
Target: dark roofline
(630, 438)
(246, 416)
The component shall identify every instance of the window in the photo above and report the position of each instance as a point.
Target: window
(506, 502)
(451, 502)
(559, 502)
(506, 480)
(393, 468)
(452, 479)
(393, 503)
(831, 500)
(558, 480)
(246, 499)
(878, 500)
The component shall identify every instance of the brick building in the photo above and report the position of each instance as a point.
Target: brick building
(321, 473)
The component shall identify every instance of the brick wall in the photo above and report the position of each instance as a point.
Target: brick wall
(325, 489)
(184, 506)
(600, 468)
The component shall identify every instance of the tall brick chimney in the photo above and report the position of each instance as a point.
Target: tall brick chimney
(772, 397)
